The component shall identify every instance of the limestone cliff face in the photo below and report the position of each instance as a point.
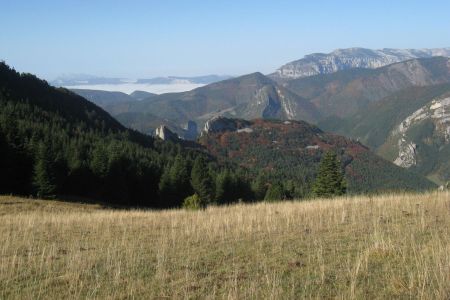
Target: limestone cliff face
(411, 131)
(342, 59)
(164, 133)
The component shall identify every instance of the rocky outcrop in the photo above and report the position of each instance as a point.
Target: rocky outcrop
(437, 112)
(406, 154)
(221, 124)
(164, 133)
(190, 131)
(342, 59)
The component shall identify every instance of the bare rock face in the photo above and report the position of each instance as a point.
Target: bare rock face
(221, 124)
(164, 133)
(437, 112)
(406, 154)
(190, 131)
(342, 59)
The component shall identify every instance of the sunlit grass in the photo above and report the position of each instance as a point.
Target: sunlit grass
(360, 247)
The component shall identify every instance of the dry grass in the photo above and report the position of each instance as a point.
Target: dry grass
(392, 246)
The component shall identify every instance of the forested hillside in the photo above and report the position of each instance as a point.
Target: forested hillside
(287, 155)
(54, 142)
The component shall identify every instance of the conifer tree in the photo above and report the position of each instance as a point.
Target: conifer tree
(179, 176)
(225, 188)
(201, 181)
(259, 187)
(43, 176)
(330, 180)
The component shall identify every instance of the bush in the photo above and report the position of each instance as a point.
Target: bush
(193, 202)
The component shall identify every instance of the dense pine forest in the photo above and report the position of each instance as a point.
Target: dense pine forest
(55, 143)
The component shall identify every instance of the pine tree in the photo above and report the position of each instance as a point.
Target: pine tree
(174, 185)
(166, 189)
(179, 176)
(259, 187)
(225, 188)
(330, 180)
(201, 181)
(43, 176)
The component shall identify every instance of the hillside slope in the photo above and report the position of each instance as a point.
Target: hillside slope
(389, 247)
(54, 142)
(104, 98)
(250, 96)
(347, 92)
(292, 150)
(410, 128)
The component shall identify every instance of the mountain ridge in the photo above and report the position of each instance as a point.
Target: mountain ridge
(342, 59)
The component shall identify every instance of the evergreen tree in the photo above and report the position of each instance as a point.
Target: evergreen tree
(225, 188)
(179, 175)
(201, 180)
(330, 180)
(166, 189)
(259, 187)
(43, 177)
(174, 185)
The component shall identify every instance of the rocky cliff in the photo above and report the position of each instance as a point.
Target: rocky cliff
(164, 133)
(343, 59)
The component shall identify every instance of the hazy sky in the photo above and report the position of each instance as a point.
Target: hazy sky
(169, 37)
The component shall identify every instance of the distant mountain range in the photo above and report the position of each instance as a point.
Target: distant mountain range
(250, 96)
(394, 101)
(343, 59)
(346, 92)
(112, 100)
(80, 79)
(55, 142)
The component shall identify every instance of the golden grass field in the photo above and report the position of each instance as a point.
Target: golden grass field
(391, 246)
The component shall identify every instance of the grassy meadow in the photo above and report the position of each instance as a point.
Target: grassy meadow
(389, 246)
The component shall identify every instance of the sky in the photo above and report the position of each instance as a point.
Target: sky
(143, 39)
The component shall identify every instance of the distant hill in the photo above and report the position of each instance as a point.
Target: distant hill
(344, 59)
(250, 96)
(292, 150)
(346, 92)
(410, 128)
(141, 95)
(207, 79)
(104, 98)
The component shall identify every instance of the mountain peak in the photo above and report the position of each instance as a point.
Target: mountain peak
(343, 59)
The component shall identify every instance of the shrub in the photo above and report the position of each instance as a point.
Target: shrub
(193, 202)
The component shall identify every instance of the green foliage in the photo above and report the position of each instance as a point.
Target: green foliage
(290, 153)
(201, 180)
(330, 180)
(259, 187)
(53, 142)
(231, 188)
(194, 202)
(174, 185)
(44, 180)
(275, 192)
